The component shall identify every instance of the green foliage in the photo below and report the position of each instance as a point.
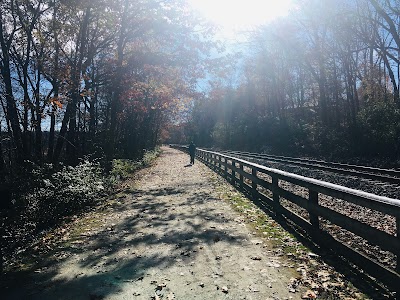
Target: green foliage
(150, 156)
(123, 168)
(379, 129)
(220, 135)
(45, 195)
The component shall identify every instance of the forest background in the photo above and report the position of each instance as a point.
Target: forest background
(320, 82)
(88, 89)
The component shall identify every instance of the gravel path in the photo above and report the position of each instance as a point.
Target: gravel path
(170, 238)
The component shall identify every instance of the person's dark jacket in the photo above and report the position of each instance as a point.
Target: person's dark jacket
(192, 149)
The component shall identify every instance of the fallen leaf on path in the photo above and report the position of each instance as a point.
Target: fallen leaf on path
(171, 296)
(309, 295)
(255, 258)
(324, 275)
(294, 282)
(253, 289)
(161, 286)
(273, 264)
(310, 254)
(256, 242)
(156, 297)
(314, 286)
(224, 289)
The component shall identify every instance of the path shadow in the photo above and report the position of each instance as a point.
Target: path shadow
(151, 223)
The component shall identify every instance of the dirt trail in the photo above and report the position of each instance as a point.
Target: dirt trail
(173, 238)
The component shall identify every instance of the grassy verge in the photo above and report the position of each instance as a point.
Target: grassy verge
(261, 224)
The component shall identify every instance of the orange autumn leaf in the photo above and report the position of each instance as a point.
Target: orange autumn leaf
(55, 101)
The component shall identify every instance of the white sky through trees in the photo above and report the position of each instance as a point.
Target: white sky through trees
(233, 16)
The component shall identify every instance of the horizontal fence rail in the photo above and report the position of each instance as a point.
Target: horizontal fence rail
(386, 175)
(265, 186)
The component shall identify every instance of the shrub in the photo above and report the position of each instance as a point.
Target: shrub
(122, 168)
(379, 129)
(44, 195)
(150, 156)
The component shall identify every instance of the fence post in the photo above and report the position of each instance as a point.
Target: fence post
(253, 183)
(398, 252)
(398, 237)
(313, 199)
(275, 194)
(233, 172)
(241, 175)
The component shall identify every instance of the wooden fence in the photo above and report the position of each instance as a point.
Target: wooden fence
(264, 185)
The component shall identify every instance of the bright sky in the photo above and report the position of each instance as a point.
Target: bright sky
(235, 15)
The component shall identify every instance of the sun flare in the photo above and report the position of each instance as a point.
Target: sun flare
(241, 14)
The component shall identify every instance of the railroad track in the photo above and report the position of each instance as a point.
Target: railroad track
(376, 174)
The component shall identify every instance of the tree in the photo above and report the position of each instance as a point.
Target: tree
(7, 37)
(75, 64)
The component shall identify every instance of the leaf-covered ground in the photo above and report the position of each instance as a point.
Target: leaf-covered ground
(179, 232)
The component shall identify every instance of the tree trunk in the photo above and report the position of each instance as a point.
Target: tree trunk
(115, 104)
(2, 163)
(51, 134)
(38, 111)
(70, 114)
(12, 112)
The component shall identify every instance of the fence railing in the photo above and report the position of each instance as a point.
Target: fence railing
(265, 186)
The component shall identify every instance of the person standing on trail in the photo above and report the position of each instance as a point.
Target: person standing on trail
(192, 152)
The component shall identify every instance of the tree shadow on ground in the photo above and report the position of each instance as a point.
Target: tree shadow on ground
(117, 255)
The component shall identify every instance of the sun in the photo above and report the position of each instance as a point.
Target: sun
(236, 15)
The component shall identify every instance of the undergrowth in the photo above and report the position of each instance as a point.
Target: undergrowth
(44, 197)
(123, 168)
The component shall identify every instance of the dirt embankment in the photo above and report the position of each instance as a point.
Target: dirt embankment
(169, 237)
